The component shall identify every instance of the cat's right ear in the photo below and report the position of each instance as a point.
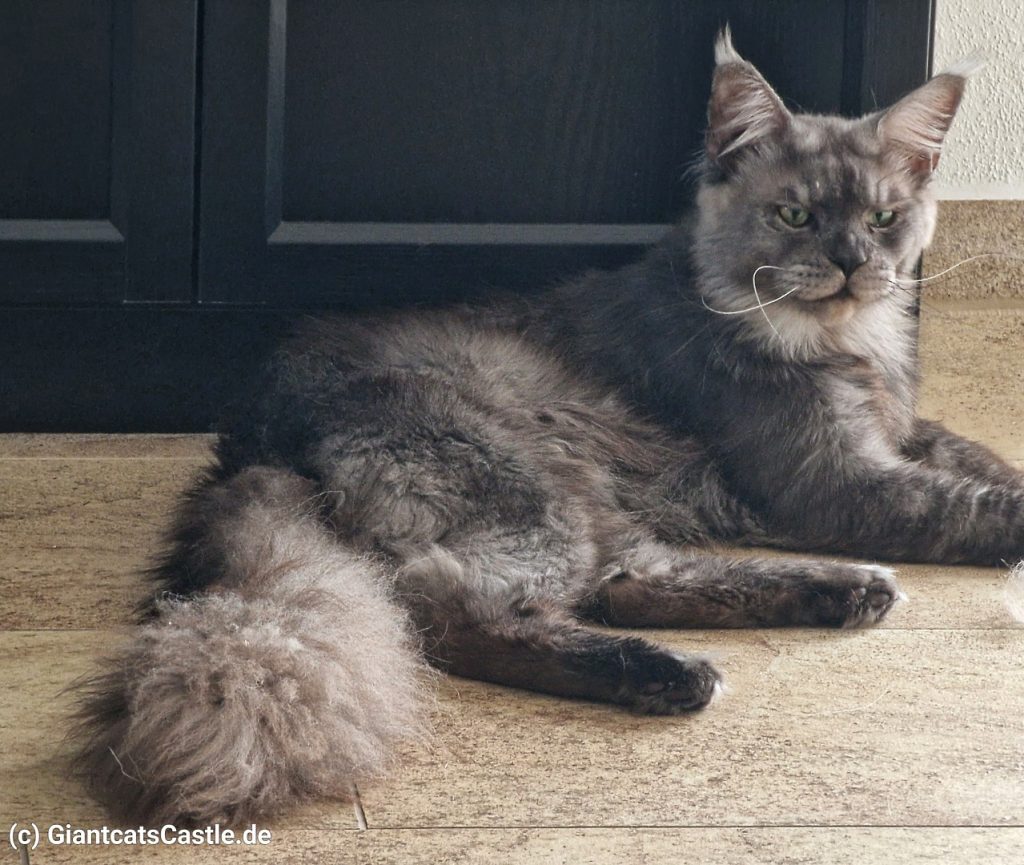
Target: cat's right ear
(743, 108)
(916, 126)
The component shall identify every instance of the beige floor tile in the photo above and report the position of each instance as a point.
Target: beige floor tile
(35, 668)
(961, 598)
(872, 728)
(746, 846)
(972, 366)
(74, 534)
(50, 446)
(861, 728)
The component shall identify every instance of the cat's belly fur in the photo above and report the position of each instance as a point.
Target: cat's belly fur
(436, 439)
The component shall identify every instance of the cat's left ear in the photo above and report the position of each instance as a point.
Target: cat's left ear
(916, 126)
(743, 109)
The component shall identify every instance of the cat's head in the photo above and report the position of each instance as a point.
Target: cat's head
(841, 207)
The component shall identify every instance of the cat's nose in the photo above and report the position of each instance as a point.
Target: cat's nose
(848, 260)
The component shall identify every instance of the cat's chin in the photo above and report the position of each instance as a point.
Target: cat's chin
(836, 309)
(841, 304)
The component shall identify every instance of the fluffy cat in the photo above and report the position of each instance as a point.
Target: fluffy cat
(474, 486)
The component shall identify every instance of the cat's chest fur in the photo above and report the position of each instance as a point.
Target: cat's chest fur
(865, 371)
(881, 346)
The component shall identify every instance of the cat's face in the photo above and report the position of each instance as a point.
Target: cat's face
(827, 206)
(818, 217)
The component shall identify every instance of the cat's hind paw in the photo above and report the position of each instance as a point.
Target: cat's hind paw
(659, 682)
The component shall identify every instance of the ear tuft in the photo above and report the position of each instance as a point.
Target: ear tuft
(724, 52)
(743, 108)
(968, 67)
(916, 126)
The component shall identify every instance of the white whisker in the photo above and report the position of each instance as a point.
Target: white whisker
(959, 264)
(757, 297)
(760, 305)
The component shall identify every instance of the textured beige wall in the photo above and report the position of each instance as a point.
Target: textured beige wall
(984, 153)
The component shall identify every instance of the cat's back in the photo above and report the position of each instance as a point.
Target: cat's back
(475, 350)
(465, 371)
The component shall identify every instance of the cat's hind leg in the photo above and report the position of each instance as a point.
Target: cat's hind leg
(490, 546)
(535, 644)
(660, 587)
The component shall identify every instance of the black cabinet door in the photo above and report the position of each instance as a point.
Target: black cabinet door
(363, 152)
(96, 150)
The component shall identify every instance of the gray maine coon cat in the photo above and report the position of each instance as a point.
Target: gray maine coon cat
(475, 486)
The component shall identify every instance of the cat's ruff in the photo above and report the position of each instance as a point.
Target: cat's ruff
(478, 486)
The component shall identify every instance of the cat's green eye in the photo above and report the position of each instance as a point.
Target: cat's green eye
(881, 219)
(795, 217)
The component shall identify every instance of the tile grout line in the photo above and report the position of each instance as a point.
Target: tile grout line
(669, 827)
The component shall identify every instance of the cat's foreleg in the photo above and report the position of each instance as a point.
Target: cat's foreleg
(936, 447)
(828, 476)
(704, 591)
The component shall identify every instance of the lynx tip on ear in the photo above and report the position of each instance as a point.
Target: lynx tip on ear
(724, 51)
(967, 67)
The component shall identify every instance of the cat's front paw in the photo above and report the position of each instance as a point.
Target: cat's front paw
(855, 596)
(659, 682)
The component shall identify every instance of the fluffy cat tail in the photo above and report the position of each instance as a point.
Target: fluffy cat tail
(292, 676)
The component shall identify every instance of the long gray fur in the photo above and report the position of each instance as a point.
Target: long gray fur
(475, 485)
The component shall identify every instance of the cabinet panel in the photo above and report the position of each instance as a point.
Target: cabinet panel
(55, 74)
(462, 112)
(96, 175)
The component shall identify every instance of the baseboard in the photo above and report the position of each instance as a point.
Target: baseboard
(127, 369)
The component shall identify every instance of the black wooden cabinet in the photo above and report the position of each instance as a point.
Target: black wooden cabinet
(177, 177)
